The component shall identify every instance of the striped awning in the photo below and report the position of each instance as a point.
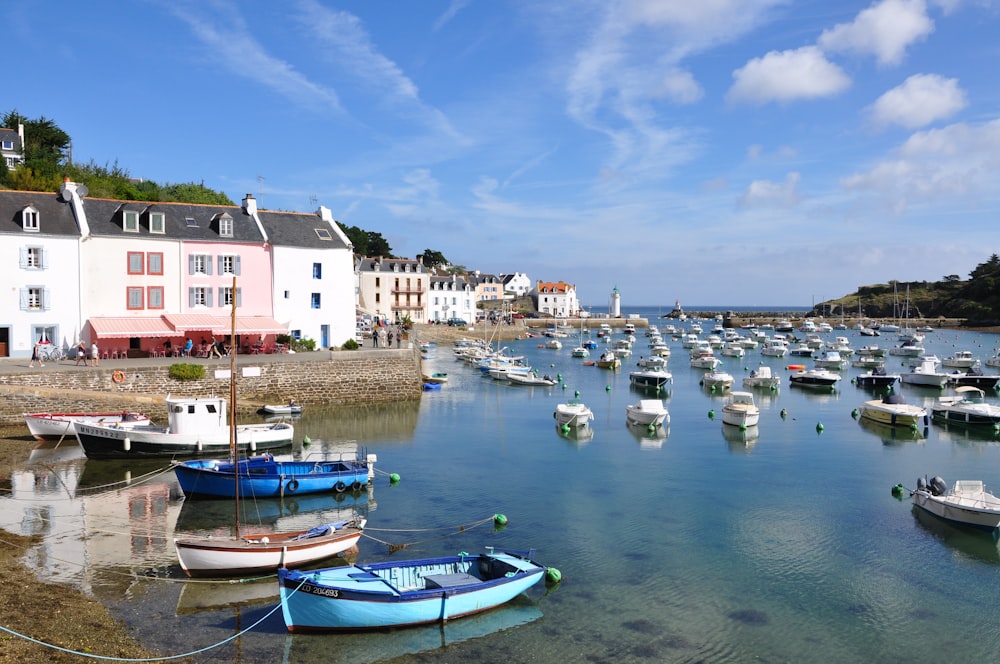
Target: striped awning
(192, 322)
(129, 326)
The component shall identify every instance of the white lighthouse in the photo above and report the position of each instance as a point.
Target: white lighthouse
(616, 303)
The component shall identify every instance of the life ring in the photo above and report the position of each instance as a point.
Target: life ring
(340, 487)
(118, 376)
(356, 486)
(292, 486)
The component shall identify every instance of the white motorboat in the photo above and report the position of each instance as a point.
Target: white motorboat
(740, 410)
(814, 378)
(908, 350)
(705, 360)
(774, 348)
(920, 359)
(800, 350)
(830, 359)
(994, 361)
(647, 413)
(925, 374)
(717, 380)
(652, 361)
(195, 427)
(892, 409)
(967, 406)
(530, 378)
(56, 426)
(653, 377)
(871, 350)
(961, 359)
(762, 377)
(967, 502)
(733, 349)
(553, 344)
(572, 414)
(580, 351)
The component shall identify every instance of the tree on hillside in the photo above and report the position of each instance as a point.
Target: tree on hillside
(367, 243)
(46, 146)
(432, 259)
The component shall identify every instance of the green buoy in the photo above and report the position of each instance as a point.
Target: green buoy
(552, 575)
(394, 478)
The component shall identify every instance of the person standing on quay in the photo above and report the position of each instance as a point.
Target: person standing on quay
(95, 354)
(81, 354)
(35, 357)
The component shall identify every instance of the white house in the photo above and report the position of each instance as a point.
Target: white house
(556, 298)
(451, 297)
(314, 279)
(40, 242)
(515, 285)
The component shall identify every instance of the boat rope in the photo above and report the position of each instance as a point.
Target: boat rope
(101, 488)
(455, 530)
(146, 659)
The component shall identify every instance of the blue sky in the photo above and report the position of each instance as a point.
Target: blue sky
(744, 152)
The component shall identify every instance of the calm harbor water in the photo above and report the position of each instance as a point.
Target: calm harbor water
(706, 544)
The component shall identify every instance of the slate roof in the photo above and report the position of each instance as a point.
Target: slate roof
(105, 217)
(55, 216)
(298, 229)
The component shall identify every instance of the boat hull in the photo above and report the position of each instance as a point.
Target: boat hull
(383, 595)
(264, 477)
(231, 556)
(943, 508)
(904, 416)
(56, 426)
(102, 442)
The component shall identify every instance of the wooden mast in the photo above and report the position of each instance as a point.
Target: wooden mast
(233, 451)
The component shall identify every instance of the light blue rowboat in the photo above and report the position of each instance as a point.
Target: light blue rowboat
(404, 593)
(262, 476)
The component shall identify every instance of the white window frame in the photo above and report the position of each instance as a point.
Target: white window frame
(229, 264)
(200, 296)
(33, 257)
(226, 226)
(130, 221)
(226, 297)
(201, 264)
(34, 298)
(30, 220)
(158, 222)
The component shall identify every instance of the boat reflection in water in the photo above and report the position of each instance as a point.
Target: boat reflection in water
(386, 645)
(649, 438)
(892, 435)
(963, 433)
(583, 434)
(966, 542)
(740, 440)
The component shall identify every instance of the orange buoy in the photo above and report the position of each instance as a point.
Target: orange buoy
(796, 367)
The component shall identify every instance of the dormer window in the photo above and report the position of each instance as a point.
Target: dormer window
(226, 226)
(29, 219)
(130, 221)
(157, 222)
(8, 145)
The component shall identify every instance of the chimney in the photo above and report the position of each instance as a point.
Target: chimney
(250, 205)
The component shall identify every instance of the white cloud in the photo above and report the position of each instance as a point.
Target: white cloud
(784, 76)
(920, 100)
(884, 30)
(960, 160)
(680, 86)
(771, 193)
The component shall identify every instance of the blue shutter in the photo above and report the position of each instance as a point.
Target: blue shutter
(222, 294)
(191, 296)
(46, 298)
(239, 296)
(219, 260)
(208, 297)
(45, 258)
(236, 267)
(191, 264)
(24, 299)
(208, 265)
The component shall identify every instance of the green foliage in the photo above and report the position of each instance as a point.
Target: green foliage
(432, 259)
(184, 371)
(350, 344)
(367, 243)
(303, 345)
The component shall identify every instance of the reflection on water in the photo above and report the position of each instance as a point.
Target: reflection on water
(965, 541)
(740, 440)
(386, 645)
(959, 433)
(583, 434)
(392, 421)
(891, 435)
(649, 438)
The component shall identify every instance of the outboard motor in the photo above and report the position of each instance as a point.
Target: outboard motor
(921, 484)
(938, 486)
